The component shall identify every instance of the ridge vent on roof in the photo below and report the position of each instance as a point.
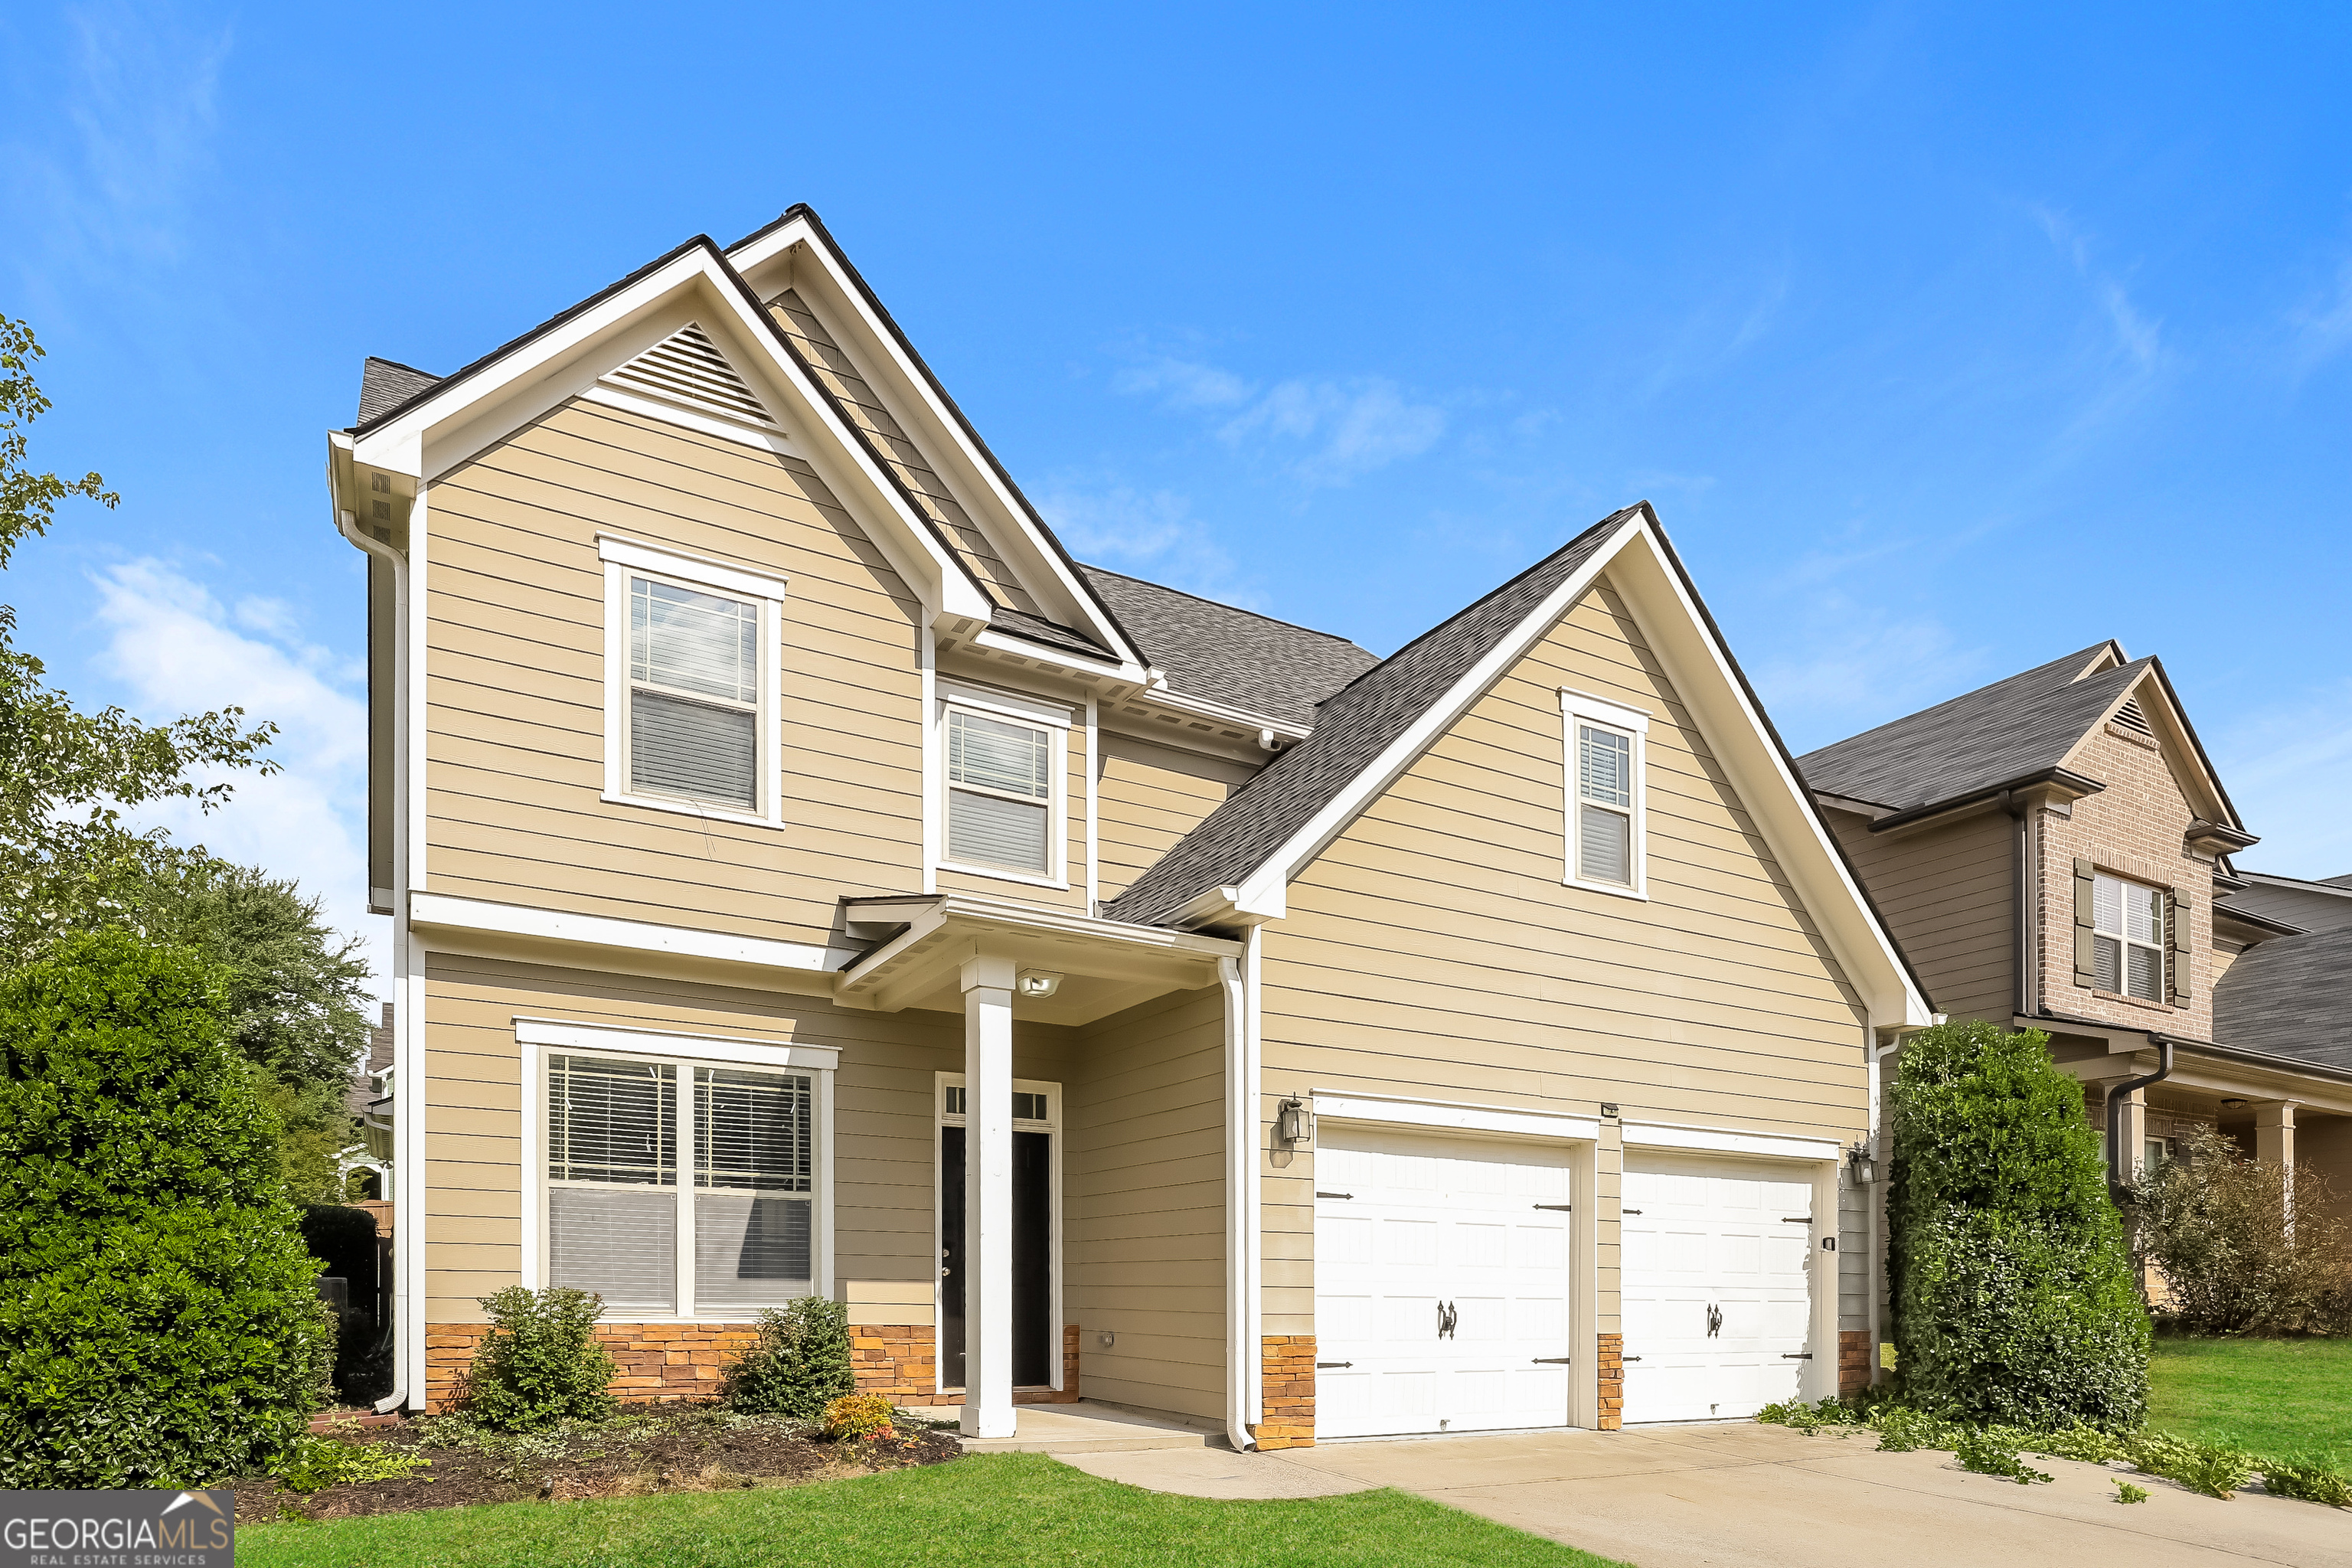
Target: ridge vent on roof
(686, 368)
(2131, 717)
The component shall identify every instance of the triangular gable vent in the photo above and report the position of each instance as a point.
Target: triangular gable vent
(686, 368)
(2131, 717)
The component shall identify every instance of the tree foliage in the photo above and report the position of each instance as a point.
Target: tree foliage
(2241, 1246)
(2014, 1295)
(158, 1321)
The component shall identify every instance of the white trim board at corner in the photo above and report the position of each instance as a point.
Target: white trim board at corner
(454, 913)
(1443, 1115)
(564, 1034)
(1713, 1141)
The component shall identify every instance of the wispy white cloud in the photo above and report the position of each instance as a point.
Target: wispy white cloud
(2138, 339)
(1152, 533)
(1325, 432)
(1718, 331)
(1844, 668)
(2323, 325)
(2284, 765)
(174, 647)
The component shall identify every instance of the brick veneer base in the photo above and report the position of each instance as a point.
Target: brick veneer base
(1286, 1401)
(1612, 1372)
(683, 1361)
(1853, 1361)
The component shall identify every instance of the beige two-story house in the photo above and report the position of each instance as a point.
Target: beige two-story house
(2053, 852)
(806, 878)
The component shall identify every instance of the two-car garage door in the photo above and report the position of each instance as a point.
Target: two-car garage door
(1442, 1271)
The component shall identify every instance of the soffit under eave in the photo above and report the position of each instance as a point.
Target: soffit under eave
(795, 256)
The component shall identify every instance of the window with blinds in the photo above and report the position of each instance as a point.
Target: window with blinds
(1604, 804)
(693, 695)
(1000, 793)
(618, 1206)
(2128, 945)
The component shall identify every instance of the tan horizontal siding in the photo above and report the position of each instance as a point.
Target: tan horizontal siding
(1434, 950)
(1948, 895)
(1143, 810)
(516, 684)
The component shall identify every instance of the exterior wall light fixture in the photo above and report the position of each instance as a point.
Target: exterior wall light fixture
(1293, 1122)
(1862, 1163)
(1036, 983)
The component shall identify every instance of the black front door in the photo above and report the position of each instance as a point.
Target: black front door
(1033, 1258)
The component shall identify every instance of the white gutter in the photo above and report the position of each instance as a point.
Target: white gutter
(1244, 1375)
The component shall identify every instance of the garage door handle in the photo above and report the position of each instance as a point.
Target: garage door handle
(1796, 1355)
(1796, 1219)
(1558, 1209)
(1335, 1195)
(1552, 1361)
(1629, 1358)
(1325, 1363)
(1629, 1211)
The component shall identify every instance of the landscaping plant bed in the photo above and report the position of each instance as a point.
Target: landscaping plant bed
(643, 1451)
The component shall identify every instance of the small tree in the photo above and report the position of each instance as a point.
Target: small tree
(540, 1363)
(159, 1322)
(801, 1364)
(2240, 1247)
(2014, 1297)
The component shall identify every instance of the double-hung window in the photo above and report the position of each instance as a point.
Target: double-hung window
(678, 1187)
(1604, 792)
(2128, 945)
(690, 682)
(1003, 758)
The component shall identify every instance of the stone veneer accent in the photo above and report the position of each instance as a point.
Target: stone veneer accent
(1612, 1381)
(1853, 1361)
(900, 1363)
(653, 1361)
(1287, 1402)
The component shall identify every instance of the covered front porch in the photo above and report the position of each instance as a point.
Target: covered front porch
(1079, 1161)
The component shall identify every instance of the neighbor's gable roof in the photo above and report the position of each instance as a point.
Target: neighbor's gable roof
(1235, 657)
(2291, 998)
(1239, 858)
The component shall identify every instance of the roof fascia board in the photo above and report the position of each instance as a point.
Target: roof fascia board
(1683, 634)
(2055, 780)
(457, 421)
(1007, 519)
(1265, 892)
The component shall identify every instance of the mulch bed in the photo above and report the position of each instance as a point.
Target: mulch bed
(643, 1452)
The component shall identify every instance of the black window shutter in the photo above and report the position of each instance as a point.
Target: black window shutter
(2087, 950)
(2176, 920)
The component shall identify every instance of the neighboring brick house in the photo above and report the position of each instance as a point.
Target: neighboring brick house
(2053, 851)
(1469, 1038)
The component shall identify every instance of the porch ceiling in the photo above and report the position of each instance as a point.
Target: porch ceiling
(1106, 965)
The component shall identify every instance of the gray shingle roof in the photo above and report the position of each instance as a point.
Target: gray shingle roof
(1357, 725)
(2292, 997)
(385, 384)
(1038, 629)
(1229, 656)
(2315, 906)
(2007, 731)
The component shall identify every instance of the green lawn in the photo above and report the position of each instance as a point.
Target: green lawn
(988, 1509)
(2285, 1398)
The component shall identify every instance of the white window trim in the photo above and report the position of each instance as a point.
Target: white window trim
(940, 1083)
(1634, 722)
(1057, 721)
(2126, 941)
(623, 557)
(537, 1039)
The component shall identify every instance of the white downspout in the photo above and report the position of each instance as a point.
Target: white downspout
(1244, 1376)
(406, 1189)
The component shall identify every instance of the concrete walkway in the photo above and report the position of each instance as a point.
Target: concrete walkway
(1765, 1496)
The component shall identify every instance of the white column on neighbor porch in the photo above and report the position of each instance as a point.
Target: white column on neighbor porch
(2274, 1133)
(988, 1198)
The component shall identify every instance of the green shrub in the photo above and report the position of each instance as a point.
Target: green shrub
(540, 1363)
(800, 1364)
(858, 1416)
(159, 1322)
(1987, 1454)
(318, 1463)
(2244, 1247)
(2014, 1297)
(2312, 1483)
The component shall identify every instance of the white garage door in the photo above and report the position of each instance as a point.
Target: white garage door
(1718, 1312)
(1441, 1284)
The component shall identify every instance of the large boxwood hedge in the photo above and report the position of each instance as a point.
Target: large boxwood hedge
(159, 1323)
(2014, 1301)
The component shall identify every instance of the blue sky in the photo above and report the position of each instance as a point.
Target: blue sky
(1945, 338)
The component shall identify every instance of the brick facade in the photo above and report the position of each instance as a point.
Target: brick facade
(1612, 1373)
(1287, 1409)
(1853, 1361)
(900, 1363)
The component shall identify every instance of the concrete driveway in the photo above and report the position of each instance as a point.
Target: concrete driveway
(1765, 1496)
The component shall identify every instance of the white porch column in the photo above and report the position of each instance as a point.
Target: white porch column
(2274, 1133)
(988, 1198)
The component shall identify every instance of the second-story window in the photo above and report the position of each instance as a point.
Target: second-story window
(2128, 941)
(1605, 793)
(691, 655)
(1001, 758)
(694, 693)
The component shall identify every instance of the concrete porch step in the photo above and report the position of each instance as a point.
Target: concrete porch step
(1084, 1428)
